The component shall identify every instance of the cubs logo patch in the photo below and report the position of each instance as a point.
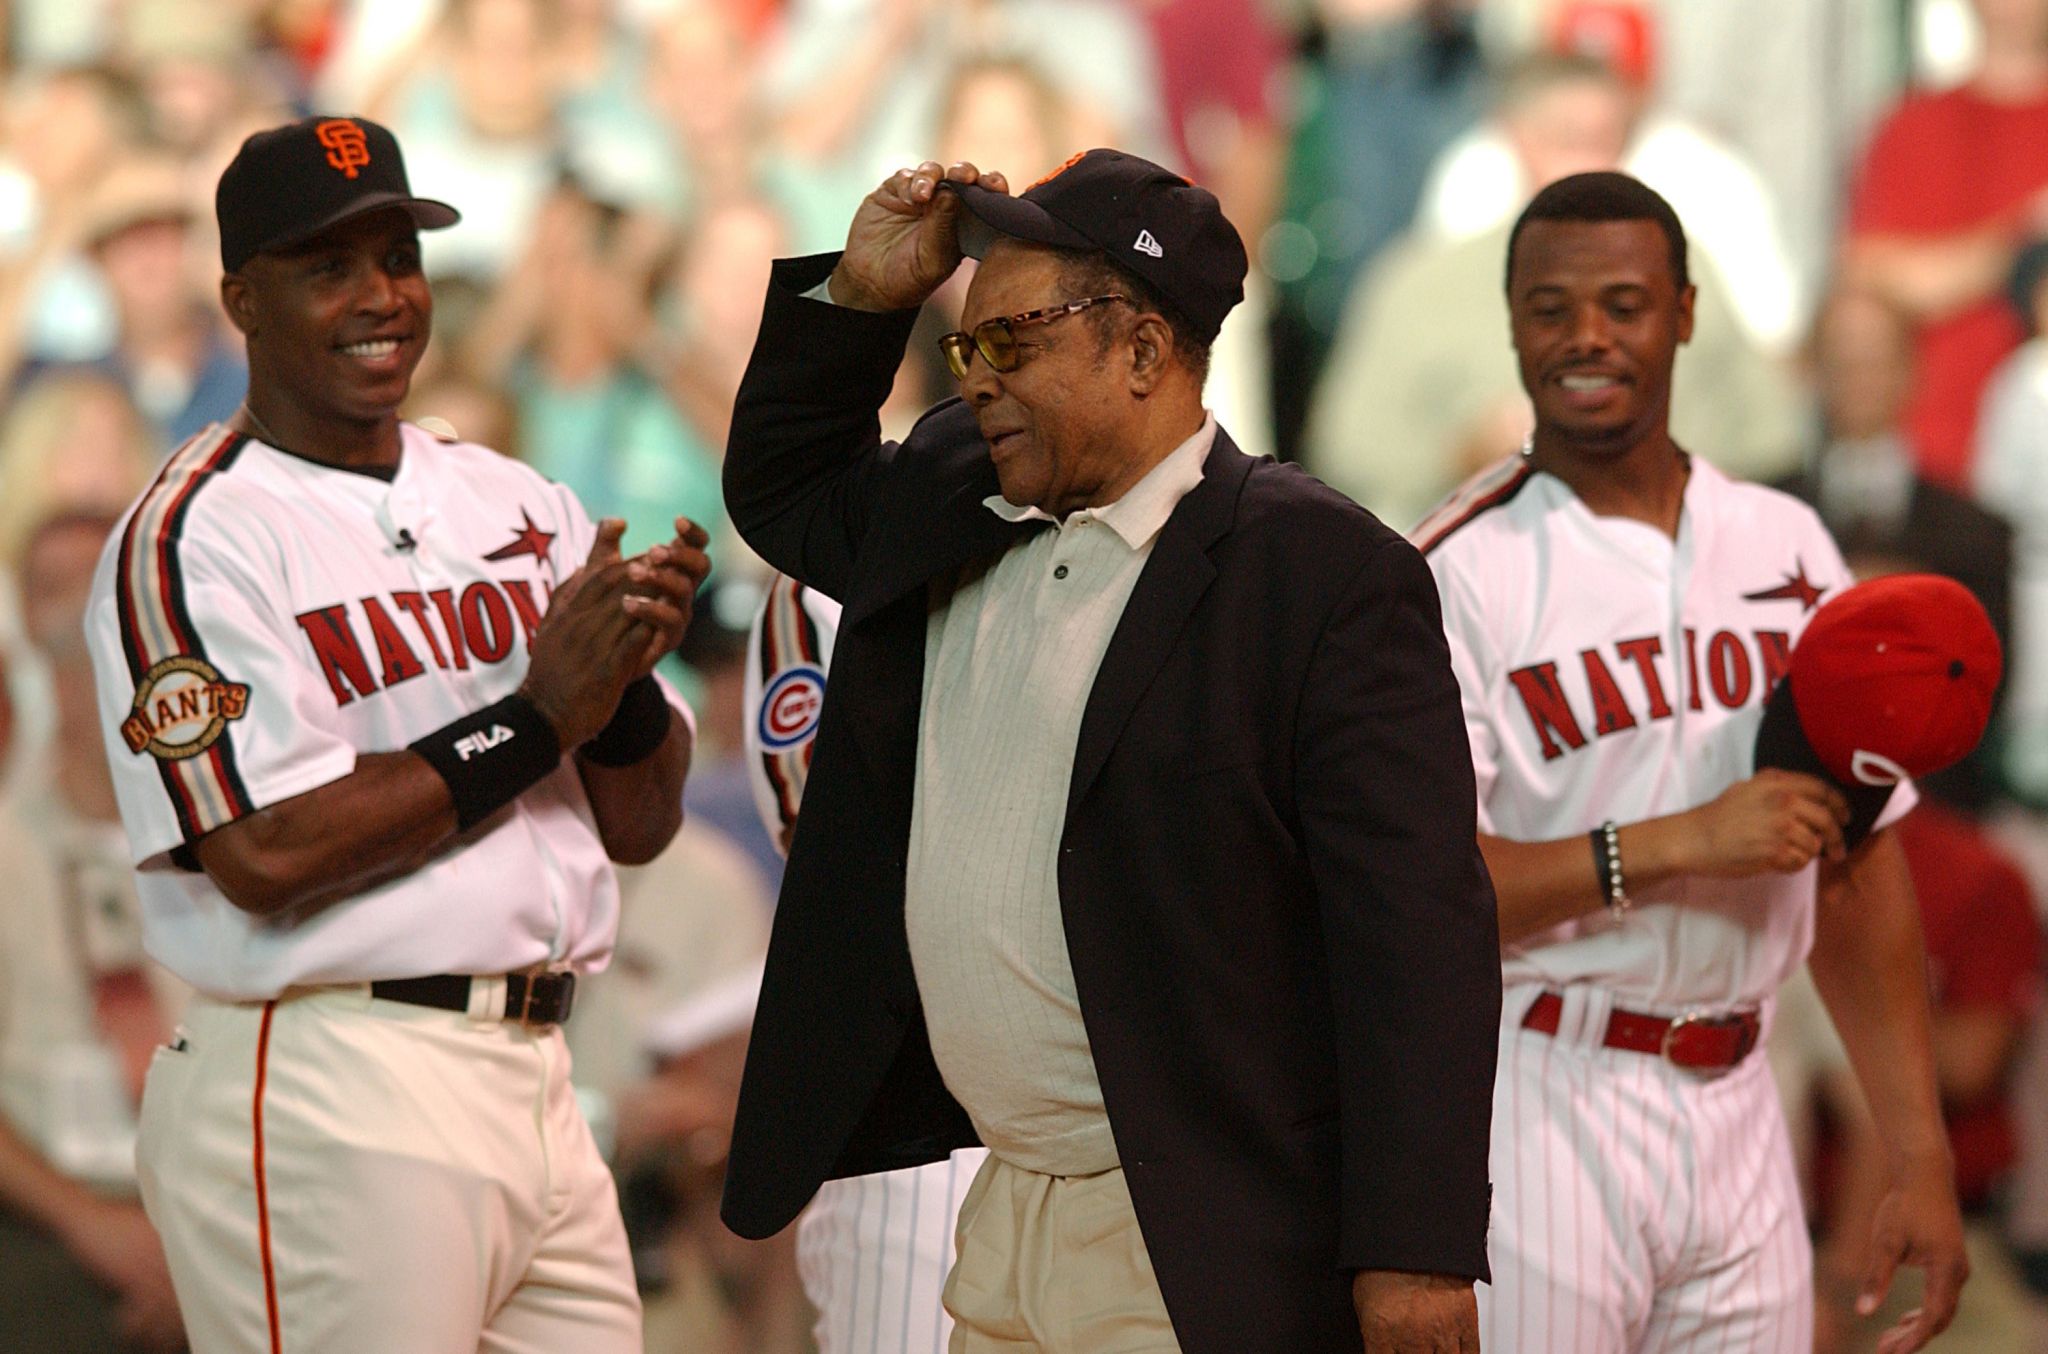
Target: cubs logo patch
(790, 707)
(182, 706)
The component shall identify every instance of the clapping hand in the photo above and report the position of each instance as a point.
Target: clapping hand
(662, 589)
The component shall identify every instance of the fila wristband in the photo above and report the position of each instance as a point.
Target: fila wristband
(636, 729)
(492, 756)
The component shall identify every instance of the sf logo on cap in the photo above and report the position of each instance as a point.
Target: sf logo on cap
(347, 149)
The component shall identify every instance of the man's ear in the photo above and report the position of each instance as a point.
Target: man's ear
(239, 304)
(1151, 354)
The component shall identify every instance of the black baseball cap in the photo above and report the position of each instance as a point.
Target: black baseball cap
(290, 183)
(1149, 220)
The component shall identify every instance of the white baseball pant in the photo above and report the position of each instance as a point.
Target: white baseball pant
(1638, 1208)
(332, 1173)
(874, 1252)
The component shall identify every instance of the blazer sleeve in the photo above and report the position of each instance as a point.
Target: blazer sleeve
(805, 461)
(1409, 923)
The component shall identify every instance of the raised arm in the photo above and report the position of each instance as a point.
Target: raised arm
(805, 459)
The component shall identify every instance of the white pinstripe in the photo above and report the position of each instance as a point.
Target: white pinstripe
(874, 1251)
(1674, 1231)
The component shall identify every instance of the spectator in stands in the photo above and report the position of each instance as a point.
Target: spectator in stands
(193, 63)
(169, 351)
(1797, 106)
(1221, 67)
(1730, 217)
(73, 441)
(1386, 85)
(1953, 185)
(699, 348)
(1422, 390)
(561, 335)
(81, 1009)
(851, 87)
(62, 129)
(701, 83)
(1861, 476)
(479, 113)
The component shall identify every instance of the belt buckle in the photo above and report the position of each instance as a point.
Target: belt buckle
(1707, 1019)
(538, 1009)
(1671, 1031)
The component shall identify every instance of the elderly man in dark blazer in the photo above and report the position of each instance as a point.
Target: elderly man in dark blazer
(1138, 841)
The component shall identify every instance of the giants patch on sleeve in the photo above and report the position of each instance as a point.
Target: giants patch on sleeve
(182, 706)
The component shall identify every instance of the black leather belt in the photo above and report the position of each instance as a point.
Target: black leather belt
(530, 998)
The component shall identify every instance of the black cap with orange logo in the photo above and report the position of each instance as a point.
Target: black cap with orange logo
(290, 183)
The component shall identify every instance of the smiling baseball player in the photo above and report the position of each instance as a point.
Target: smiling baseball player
(375, 734)
(1617, 612)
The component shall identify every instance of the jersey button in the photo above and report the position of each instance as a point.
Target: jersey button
(1060, 572)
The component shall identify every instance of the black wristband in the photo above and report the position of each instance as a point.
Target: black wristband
(492, 756)
(1603, 867)
(637, 727)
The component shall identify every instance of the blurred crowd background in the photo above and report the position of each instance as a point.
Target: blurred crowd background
(1865, 183)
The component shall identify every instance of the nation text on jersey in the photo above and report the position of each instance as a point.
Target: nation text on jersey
(453, 631)
(1735, 672)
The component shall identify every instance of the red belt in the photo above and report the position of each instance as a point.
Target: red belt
(1696, 1041)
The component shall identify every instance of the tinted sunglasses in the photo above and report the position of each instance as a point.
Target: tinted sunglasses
(996, 339)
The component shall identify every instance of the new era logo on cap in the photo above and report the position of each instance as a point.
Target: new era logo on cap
(1132, 211)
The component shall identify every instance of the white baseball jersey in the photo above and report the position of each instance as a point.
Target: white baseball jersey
(1611, 672)
(873, 1250)
(258, 620)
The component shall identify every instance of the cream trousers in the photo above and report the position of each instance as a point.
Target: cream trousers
(1053, 1265)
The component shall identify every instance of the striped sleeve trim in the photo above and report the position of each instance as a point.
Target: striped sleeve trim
(1482, 493)
(789, 639)
(207, 790)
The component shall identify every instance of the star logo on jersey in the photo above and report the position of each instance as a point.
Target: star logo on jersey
(1797, 587)
(527, 539)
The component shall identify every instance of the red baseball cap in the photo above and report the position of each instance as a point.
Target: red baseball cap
(1893, 678)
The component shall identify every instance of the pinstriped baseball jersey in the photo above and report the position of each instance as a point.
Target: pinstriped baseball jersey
(258, 620)
(1608, 671)
(873, 1250)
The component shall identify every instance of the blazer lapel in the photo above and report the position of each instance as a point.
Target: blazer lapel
(1172, 582)
(963, 529)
